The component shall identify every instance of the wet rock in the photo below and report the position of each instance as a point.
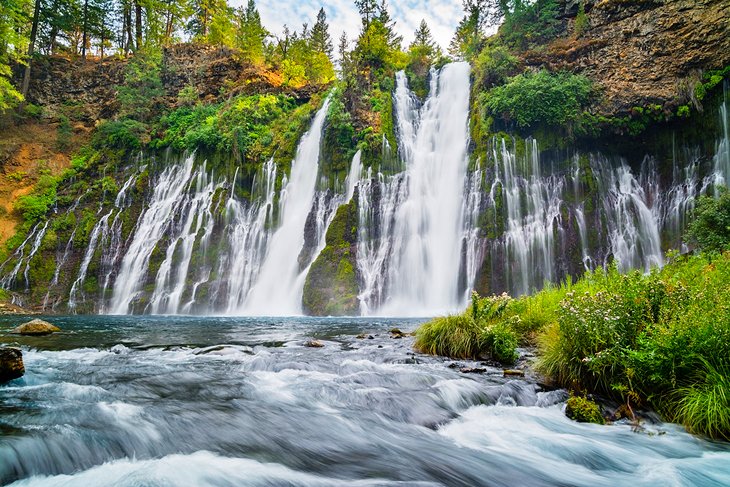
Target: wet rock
(11, 364)
(454, 365)
(472, 370)
(513, 373)
(313, 344)
(363, 336)
(35, 327)
(396, 333)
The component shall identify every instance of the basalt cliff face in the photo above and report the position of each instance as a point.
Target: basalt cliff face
(641, 52)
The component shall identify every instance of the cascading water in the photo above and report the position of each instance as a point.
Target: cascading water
(278, 288)
(722, 153)
(409, 258)
(152, 225)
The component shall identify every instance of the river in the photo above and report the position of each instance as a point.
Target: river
(188, 401)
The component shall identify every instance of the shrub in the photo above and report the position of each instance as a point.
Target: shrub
(34, 206)
(581, 21)
(540, 98)
(709, 229)
(125, 134)
(501, 342)
(63, 133)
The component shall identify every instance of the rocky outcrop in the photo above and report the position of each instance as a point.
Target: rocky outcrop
(331, 286)
(35, 327)
(642, 52)
(87, 91)
(11, 364)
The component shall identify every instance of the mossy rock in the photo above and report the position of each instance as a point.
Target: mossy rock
(331, 287)
(583, 410)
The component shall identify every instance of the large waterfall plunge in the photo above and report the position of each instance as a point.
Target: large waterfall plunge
(410, 240)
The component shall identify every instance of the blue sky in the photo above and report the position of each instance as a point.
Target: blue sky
(441, 16)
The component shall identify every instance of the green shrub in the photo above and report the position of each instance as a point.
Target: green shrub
(709, 229)
(581, 21)
(125, 134)
(63, 133)
(501, 342)
(35, 206)
(539, 98)
(583, 410)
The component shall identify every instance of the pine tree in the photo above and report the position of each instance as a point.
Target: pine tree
(320, 37)
(423, 40)
(251, 34)
(394, 40)
(367, 9)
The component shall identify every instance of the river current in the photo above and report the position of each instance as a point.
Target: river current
(186, 401)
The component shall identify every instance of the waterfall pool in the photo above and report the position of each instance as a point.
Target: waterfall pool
(196, 401)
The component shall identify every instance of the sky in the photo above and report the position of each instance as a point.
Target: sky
(442, 16)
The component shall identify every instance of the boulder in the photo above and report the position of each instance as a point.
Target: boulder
(11, 364)
(313, 344)
(35, 327)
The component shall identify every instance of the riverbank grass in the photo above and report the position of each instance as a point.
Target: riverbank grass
(659, 340)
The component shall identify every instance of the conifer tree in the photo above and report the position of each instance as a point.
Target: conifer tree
(320, 37)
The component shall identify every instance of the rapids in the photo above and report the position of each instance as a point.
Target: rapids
(187, 401)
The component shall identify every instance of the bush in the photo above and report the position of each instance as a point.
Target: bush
(501, 342)
(709, 229)
(34, 206)
(125, 134)
(704, 407)
(63, 133)
(540, 98)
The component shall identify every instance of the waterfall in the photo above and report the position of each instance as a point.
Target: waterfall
(722, 152)
(411, 224)
(278, 288)
(151, 226)
(248, 234)
(633, 216)
(88, 255)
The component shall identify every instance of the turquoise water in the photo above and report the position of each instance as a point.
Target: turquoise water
(187, 401)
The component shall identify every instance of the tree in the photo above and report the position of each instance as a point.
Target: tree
(423, 42)
(367, 9)
(320, 37)
(251, 35)
(31, 47)
(12, 42)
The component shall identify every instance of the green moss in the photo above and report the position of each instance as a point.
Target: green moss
(331, 285)
(583, 410)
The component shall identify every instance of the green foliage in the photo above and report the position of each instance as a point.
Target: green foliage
(539, 98)
(583, 410)
(530, 24)
(704, 407)
(142, 89)
(709, 227)
(494, 65)
(119, 134)
(35, 206)
(188, 96)
(63, 133)
(581, 21)
(501, 341)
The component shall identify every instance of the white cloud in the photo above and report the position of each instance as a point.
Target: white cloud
(442, 16)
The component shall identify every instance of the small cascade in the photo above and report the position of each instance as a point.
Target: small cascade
(632, 214)
(248, 232)
(196, 222)
(280, 280)
(531, 203)
(151, 226)
(722, 152)
(8, 280)
(354, 176)
(473, 251)
(580, 221)
(100, 227)
(33, 250)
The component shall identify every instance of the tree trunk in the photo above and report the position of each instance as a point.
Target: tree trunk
(31, 48)
(138, 23)
(86, 28)
(130, 43)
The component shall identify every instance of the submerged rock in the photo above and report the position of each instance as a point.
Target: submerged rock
(35, 327)
(11, 364)
(513, 373)
(396, 333)
(313, 344)
(472, 370)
